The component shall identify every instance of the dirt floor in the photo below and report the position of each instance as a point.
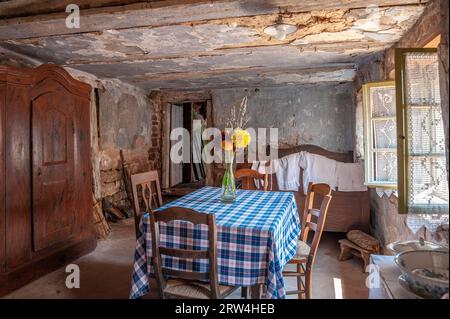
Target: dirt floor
(106, 272)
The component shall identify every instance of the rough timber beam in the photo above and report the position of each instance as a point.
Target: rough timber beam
(124, 14)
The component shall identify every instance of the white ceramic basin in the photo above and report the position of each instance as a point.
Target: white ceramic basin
(426, 271)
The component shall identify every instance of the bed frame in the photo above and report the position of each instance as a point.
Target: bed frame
(347, 211)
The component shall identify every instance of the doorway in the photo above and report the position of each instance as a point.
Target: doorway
(186, 177)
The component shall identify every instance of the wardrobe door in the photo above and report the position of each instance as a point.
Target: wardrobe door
(2, 178)
(83, 168)
(17, 175)
(53, 182)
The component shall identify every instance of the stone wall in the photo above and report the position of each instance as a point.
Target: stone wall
(319, 114)
(156, 137)
(386, 223)
(123, 118)
(129, 122)
(389, 226)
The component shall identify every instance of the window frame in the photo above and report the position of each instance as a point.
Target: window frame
(369, 136)
(402, 129)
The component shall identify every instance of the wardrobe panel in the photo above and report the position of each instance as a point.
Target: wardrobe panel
(53, 205)
(17, 168)
(83, 182)
(45, 173)
(2, 178)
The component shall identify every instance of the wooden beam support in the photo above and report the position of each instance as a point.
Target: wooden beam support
(340, 46)
(157, 13)
(236, 71)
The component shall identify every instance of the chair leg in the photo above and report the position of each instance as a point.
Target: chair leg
(244, 292)
(308, 281)
(303, 282)
(300, 281)
(255, 291)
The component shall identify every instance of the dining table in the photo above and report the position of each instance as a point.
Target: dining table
(256, 236)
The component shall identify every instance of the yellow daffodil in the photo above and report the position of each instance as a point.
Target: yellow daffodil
(241, 138)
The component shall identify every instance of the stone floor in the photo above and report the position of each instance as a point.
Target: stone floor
(106, 272)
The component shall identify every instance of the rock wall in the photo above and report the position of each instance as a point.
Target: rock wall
(389, 226)
(319, 114)
(123, 118)
(128, 122)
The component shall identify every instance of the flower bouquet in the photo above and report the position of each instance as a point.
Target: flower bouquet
(233, 138)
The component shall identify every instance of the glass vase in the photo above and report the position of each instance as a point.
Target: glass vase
(228, 183)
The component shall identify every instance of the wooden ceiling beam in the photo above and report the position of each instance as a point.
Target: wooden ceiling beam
(236, 71)
(24, 8)
(355, 47)
(126, 15)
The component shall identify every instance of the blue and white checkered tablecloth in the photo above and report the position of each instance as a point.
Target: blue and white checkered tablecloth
(257, 235)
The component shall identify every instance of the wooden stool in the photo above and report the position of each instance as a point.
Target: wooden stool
(349, 249)
(364, 240)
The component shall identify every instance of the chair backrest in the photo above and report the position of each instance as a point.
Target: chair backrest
(252, 179)
(150, 192)
(196, 218)
(314, 218)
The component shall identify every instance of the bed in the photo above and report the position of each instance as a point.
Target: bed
(348, 210)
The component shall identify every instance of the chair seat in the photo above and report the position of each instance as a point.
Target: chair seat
(194, 289)
(302, 252)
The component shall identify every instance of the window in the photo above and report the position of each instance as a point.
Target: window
(380, 131)
(422, 175)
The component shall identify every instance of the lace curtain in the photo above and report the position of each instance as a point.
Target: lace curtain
(386, 192)
(381, 134)
(384, 134)
(383, 139)
(431, 222)
(427, 189)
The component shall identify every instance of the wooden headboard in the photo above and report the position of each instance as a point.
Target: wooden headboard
(313, 149)
(348, 210)
(346, 157)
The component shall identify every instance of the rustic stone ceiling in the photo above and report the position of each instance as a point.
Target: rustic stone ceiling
(189, 44)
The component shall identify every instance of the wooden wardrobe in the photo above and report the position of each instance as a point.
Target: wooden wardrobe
(45, 173)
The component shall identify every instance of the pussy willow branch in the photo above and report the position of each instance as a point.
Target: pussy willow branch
(239, 118)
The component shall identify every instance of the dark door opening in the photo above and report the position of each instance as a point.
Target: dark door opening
(191, 116)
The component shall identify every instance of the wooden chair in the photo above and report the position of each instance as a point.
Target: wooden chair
(187, 284)
(248, 177)
(306, 251)
(151, 195)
